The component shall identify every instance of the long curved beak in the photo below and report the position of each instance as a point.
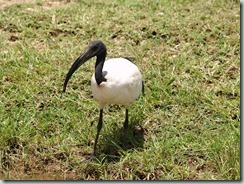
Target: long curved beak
(78, 62)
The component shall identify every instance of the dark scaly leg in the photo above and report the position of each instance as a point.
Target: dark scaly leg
(99, 127)
(126, 120)
(125, 137)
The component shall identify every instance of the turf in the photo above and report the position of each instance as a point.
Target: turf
(186, 127)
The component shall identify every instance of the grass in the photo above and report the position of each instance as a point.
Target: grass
(186, 127)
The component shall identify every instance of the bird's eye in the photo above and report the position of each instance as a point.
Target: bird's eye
(94, 48)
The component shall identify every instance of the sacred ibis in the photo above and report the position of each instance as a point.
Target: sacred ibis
(115, 81)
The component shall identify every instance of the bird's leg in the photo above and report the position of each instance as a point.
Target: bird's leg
(126, 120)
(126, 123)
(99, 127)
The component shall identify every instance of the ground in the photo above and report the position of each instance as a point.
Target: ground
(186, 127)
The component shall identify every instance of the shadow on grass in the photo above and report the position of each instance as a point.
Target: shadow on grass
(117, 141)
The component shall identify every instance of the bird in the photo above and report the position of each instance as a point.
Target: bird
(115, 81)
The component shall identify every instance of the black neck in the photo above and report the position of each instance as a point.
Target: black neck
(99, 68)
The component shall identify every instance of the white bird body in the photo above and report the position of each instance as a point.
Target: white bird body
(115, 81)
(123, 85)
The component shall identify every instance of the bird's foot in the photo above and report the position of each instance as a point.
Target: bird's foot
(88, 161)
(125, 136)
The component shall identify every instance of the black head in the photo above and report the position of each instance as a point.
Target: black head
(96, 48)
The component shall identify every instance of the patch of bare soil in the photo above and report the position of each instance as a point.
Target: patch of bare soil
(45, 4)
(38, 169)
(5, 3)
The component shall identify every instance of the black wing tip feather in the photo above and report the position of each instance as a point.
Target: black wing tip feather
(131, 59)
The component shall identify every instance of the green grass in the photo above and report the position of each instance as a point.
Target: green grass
(186, 127)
